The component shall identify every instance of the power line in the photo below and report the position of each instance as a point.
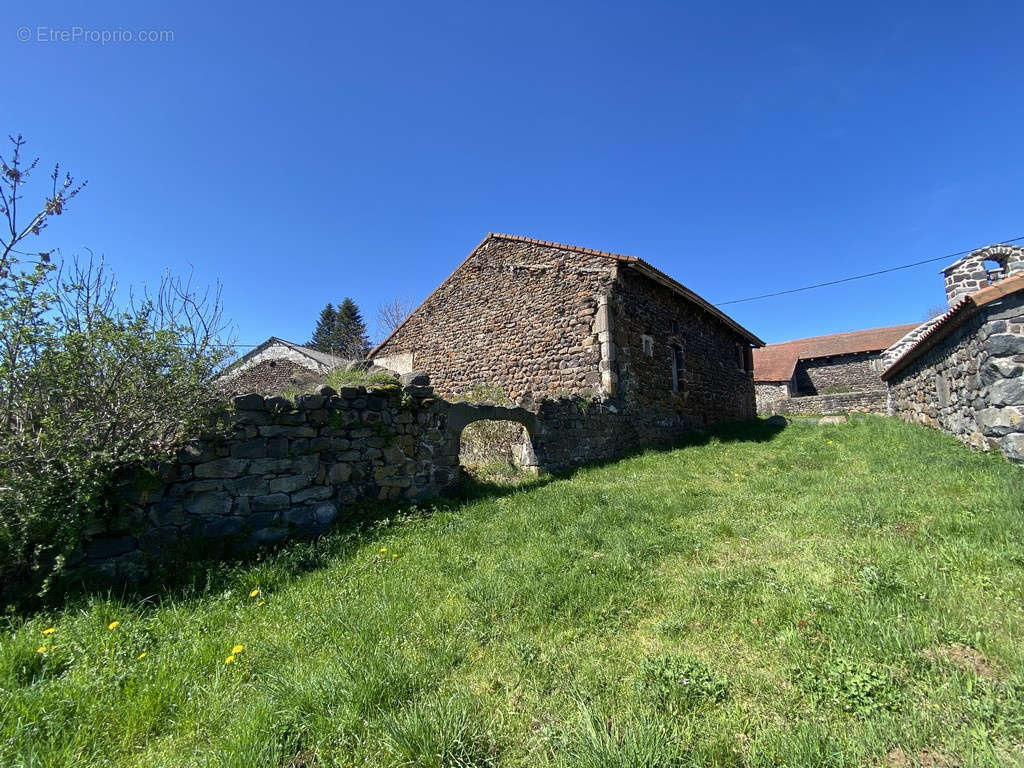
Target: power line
(860, 277)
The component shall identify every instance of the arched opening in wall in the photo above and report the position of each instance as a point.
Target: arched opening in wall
(995, 270)
(497, 452)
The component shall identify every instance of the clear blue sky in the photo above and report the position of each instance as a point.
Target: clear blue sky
(302, 153)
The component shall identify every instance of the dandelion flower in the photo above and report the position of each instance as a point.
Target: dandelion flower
(261, 602)
(230, 659)
(383, 549)
(114, 625)
(394, 554)
(49, 631)
(142, 655)
(237, 649)
(41, 649)
(255, 592)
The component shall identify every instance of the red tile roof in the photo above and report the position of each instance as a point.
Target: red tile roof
(777, 362)
(950, 321)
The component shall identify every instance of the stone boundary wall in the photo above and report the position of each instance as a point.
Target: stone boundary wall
(284, 468)
(971, 384)
(856, 372)
(767, 394)
(873, 401)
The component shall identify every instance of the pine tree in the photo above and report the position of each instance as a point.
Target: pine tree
(326, 327)
(350, 331)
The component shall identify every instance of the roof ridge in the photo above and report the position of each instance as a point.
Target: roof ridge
(908, 326)
(563, 246)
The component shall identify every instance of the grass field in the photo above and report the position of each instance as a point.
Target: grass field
(847, 595)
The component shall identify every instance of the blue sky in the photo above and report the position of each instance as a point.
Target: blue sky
(301, 154)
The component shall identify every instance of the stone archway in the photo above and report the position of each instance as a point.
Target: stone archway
(461, 415)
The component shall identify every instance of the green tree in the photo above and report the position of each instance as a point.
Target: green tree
(350, 334)
(323, 336)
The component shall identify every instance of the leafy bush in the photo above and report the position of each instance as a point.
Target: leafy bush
(88, 389)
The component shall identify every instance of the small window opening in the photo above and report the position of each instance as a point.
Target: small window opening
(678, 368)
(648, 345)
(994, 270)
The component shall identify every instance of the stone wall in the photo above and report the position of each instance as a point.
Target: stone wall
(971, 383)
(856, 372)
(874, 401)
(516, 316)
(717, 377)
(769, 394)
(283, 469)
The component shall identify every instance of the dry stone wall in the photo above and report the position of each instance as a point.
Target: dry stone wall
(872, 401)
(858, 372)
(971, 384)
(285, 468)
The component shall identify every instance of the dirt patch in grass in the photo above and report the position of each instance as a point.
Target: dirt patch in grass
(304, 759)
(965, 657)
(926, 758)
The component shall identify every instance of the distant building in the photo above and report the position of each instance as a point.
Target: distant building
(840, 363)
(275, 365)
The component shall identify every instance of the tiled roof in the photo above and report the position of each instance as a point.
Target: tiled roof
(944, 325)
(637, 263)
(777, 362)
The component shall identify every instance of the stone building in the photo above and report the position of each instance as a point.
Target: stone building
(822, 374)
(642, 358)
(963, 372)
(276, 365)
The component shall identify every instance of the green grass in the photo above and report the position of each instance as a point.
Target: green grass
(847, 595)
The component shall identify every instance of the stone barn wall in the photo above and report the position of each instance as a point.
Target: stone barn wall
(769, 394)
(717, 378)
(543, 323)
(858, 372)
(515, 316)
(971, 384)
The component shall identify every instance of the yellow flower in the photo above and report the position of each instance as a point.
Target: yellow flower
(260, 603)
(142, 655)
(254, 592)
(41, 649)
(383, 549)
(230, 659)
(237, 649)
(394, 554)
(114, 625)
(49, 631)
